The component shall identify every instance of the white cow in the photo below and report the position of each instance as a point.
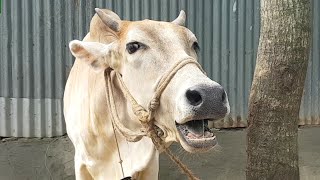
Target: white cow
(142, 52)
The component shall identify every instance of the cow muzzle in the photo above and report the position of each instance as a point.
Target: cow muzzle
(199, 104)
(207, 101)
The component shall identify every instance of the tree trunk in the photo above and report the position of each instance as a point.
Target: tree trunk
(277, 89)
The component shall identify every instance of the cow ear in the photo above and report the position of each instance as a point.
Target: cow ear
(95, 54)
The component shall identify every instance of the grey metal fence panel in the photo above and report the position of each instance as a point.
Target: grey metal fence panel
(35, 59)
(310, 107)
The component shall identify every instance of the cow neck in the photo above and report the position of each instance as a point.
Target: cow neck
(146, 117)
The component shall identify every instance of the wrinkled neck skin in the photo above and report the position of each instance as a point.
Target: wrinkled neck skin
(90, 130)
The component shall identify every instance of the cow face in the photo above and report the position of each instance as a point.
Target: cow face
(142, 52)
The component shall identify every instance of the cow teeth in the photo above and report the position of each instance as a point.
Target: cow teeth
(208, 134)
(191, 136)
(200, 136)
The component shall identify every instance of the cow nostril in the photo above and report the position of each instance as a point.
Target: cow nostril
(194, 97)
(223, 96)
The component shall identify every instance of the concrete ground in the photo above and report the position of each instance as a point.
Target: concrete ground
(52, 158)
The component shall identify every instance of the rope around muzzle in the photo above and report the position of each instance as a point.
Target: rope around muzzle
(146, 117)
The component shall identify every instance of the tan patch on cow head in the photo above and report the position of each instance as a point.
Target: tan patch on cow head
(101, 32)
(158, 35)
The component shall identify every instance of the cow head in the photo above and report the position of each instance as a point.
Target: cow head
(142, 52)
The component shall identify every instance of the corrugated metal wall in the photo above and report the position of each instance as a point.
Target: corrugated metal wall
(310, 107)
(35, 59)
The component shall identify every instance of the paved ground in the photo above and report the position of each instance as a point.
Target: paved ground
(40, 159)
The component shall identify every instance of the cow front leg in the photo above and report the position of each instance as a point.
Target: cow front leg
(150, 172)
(81, 171)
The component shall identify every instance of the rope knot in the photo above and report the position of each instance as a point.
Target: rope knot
(154, 104)
(141, 113)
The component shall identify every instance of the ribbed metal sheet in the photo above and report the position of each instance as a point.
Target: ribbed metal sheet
(310, 107)
(34, 62)
(35, 58)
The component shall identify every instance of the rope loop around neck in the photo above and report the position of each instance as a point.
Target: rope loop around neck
(130, 135)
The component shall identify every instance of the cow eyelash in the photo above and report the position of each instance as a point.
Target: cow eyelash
(196, 47)
(132, 47)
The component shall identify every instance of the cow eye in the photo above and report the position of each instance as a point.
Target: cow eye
(196, 47)
(133, 47)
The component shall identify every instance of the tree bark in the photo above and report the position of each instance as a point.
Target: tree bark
(277, 90)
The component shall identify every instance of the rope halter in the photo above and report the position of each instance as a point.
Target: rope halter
(146, 117)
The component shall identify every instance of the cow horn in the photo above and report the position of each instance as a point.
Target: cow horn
(108, 20)
(181, 19)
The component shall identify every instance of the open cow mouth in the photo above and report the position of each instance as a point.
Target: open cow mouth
(196, 135)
